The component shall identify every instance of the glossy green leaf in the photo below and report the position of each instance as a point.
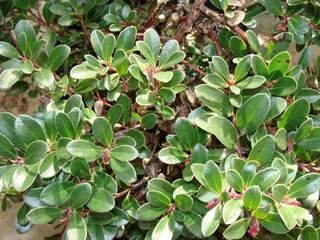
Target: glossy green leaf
(266, 178)
(252, 113)
(237, 230)
(101, 201)
(164, 229)
(294, 115)
(76, 228)
(80, 195)
(304, 186)
(35, 152)
(172, 155)
(213, 177)
(102, 130)
(252, 197)
(211, 221)
(263, 151)
(44, 215)
(84, 149)
(124, 153)
(56, 193)
(232, 210)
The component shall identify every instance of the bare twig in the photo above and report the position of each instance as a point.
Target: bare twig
(133, 188)
(186, 25)
(221, 19)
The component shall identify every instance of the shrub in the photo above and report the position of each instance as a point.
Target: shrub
(155, 131)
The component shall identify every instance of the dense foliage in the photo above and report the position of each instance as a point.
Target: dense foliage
(162, 119)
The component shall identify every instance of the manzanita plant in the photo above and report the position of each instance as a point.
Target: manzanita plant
(162, 119)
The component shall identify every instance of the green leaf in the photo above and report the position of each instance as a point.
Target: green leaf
(253, 112)
(252, 197)
(124, 171)
(50, 166)
(50, 125)
(86, 85)
(274, 7)
(103, 180)
(235, 180)
(102, 130)
(146, 52)
(295, 114)
(80, 195)
(172, 155)
(224, 130)
(169, 48)
(237, 230)
(83, 72)
(220, 66)
(184, 202)
(57, 193)
(174, 59)
(185, 132)
(145, 98)
(249, 171)
(149, 120)
(304, 186)
(308, 232)
(157, 199)
(76, 228)
(97, 37)
(283, 167)
(242, 68)
(193, 223)
(232, 210)
(44, 79)
(163, 76)
(258, 66)
(252, 82)
(6, 148)
(161, 185)
(147, 212)
(64, 125)
(277, 106)
(108, 46)
(214, 99)
(237, 46)
(84, 149)
(213, 177)
(284, 86)
(215, 80)
(164, 229)
(8, 51)
(274, 224)
(211, 221)
(29, 130)
(57, 57)
(152, 39)
(24, 176)
(281, 138)
(293, 215)
(9, 77)
(263, 151)
(35, 152)
(266, 178)
(126, 38)
(44, 215)
(101, 201)
(279, 65)
(311, 142)
(124, 153)
(253, 41)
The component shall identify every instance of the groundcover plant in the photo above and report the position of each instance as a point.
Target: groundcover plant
(162, 119)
